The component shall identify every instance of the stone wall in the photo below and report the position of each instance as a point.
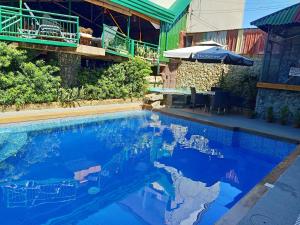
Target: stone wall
(203, 75)
(277, 99)
(69, 67)
(200, 75)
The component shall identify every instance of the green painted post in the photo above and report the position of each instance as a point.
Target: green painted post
(0, 20)
(129, 42)
(70, 7)
(78, 32)
(158, 50)
(21, 17)
(128, 27)
(132, 47)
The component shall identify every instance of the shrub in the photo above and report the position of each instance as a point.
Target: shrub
(89, 76)
(242, 83)
(23, 81)
(127, 79)
(137, 71)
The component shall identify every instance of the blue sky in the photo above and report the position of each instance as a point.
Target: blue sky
(258, 8)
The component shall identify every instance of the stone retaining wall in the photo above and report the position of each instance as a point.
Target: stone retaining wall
(199, 75)
(277, 99)
(203, 75)
(69, 67)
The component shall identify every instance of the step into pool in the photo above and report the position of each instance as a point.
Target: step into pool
(129, 168)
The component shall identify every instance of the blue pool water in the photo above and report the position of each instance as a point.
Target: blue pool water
(133, 168)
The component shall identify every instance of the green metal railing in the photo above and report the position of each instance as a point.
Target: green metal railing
(119, 44)
(32, 26)
(146, 50)
(115, 42)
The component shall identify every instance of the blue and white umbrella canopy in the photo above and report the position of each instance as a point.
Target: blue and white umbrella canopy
(209, 53)
(220, 55)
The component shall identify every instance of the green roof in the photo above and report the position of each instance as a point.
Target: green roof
(156, 9)
(287, 16)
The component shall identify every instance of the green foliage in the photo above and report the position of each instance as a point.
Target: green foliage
(284, 115)
(23, 81)
(242, 84)
(137, 70)
(270, 114)
(127, 79)
(88, 76)
(68, 96)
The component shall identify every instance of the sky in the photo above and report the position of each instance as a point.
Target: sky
(256, 9)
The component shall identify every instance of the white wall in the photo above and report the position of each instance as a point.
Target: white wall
(212, 15)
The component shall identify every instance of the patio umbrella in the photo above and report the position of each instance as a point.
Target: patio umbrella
(220, 55)
(209, 52)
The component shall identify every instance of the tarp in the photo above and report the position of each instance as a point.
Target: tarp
(249, 41)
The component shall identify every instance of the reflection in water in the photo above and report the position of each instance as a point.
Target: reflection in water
(149, 168)
(190, 197)
(11, 144)
(31, 193)
(232, 176)
(196, 142)
(81, 175)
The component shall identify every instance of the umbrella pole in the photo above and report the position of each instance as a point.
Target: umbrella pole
(222, 74)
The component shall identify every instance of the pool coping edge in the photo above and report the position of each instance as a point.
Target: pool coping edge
(40, 115)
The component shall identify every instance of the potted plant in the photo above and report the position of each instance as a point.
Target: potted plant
(297, 119)
(270, 115)
(122, 48)
(284, 115)
(141, 51)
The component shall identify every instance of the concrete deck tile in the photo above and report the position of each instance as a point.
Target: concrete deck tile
(281, 204)
(237, 121)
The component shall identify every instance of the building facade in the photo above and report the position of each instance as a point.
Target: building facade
(279, 83)
(208, 15)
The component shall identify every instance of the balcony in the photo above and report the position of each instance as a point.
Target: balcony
(51, 30)
(119, 44)
(38, 27)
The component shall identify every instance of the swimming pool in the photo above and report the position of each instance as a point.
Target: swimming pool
(130, 168)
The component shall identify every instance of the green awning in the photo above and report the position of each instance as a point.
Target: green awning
(287, 16)
(163, 10)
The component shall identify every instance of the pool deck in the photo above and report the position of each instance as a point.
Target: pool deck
(238, 122)
(276, 199)
(281, 204)
(44, 114)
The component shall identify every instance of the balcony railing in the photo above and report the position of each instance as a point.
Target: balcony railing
(119, 44)
(23, 25)
(115, 42)
(146, 50)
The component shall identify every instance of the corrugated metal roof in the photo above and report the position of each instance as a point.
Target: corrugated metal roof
(164, 12)
(287, 16)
